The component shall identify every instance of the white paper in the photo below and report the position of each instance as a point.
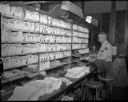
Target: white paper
(67, 81)
(22, 93)
(77, 72)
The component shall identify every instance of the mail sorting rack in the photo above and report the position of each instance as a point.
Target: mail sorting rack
(79, 43)
(80, 38)
(31, 37)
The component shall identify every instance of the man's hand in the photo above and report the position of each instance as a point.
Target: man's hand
(91, 59)
(92, 55)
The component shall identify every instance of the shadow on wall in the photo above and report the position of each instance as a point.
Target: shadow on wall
(92, 44)
(120, 72)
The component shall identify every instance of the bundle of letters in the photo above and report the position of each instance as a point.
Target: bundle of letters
(34, 89)
(54, 63)
(77, 72)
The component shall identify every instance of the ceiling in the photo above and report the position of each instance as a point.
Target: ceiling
(90, 6)
(95, 7)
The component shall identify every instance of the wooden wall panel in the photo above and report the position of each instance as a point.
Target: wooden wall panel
(112, 22)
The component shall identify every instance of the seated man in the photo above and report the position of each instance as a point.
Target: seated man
(103, 60)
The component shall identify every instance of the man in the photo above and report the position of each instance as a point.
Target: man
(103, 60)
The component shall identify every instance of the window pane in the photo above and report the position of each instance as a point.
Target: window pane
(120, 27)
(105, 27)
(120, 15)
(119, 32)
(106, 17)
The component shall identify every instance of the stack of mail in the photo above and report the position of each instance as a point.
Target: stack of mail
(9, 74)
(67, 81)
(34, 89)
(32, 68)
(54, 63)
(77, 72)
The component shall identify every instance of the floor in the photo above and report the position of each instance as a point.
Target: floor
(120, 93)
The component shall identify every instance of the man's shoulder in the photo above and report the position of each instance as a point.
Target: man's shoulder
(108, 43)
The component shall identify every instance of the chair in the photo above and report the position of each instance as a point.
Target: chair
(91, 90)
(107, 78)
(108, 84)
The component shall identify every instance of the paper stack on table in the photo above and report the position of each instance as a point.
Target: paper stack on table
(67, 81)
(32, 68)
(34, 89)
(22, 93)
(9, 74)
(77, 72)
(67, 98)
(54, 63)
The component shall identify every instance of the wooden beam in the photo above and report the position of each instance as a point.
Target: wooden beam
(126, 26)
(82, 7)
(112, 22)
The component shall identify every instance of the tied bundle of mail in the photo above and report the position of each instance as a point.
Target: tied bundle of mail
(34, 89)
(77, 72)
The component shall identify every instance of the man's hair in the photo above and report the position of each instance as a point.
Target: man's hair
(103, 33)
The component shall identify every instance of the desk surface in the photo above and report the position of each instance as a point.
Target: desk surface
(58, 93)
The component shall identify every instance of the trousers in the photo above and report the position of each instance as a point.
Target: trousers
(103, 66)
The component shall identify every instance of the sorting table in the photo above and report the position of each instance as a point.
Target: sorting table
(57, 94)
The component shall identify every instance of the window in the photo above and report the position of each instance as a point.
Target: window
(120, 27)
(105, 22)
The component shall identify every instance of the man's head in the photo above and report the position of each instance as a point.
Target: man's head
(37, 6)
(102, 37)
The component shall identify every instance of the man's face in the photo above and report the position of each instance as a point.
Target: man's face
(37, 5)
(101, 38)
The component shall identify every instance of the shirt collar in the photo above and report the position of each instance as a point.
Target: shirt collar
(104, 43)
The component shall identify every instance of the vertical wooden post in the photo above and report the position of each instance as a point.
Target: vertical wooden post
(0, 35)
(112, 22)
(71, 44)
(101, 24)
(82, 7)
(126, 26)
(38, 52)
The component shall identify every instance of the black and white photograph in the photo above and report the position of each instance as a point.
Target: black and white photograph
(64, 50)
